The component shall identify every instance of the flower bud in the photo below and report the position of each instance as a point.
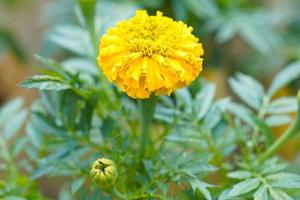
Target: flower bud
(104, 172)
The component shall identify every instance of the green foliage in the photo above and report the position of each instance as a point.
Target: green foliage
(263, 181)
(75, 125)
(201, 147)
(16, 184)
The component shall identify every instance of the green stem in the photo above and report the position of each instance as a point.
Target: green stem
(147, 108)
(292, 131)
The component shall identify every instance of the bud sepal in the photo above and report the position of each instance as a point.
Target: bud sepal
(104, 173)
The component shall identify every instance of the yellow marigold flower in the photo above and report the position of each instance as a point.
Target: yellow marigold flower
(150, 54)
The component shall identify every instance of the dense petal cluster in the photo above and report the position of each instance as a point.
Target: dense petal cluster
(150, 54)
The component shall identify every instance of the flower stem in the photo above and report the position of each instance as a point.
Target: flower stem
(147, 108)
(292, 131)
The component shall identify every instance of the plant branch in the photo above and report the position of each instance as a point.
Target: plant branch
(292, 131)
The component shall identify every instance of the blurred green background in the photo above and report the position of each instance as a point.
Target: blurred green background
(257, 37)
(253, 36)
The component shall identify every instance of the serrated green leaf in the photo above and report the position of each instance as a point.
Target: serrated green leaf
(248, 90)
(166, 114)
(285, 180)
(244, 187)
(202, 187)
(283, 105)
(278, 120)
(284, 77)
(241, 112)
(45, 82)
(284, 175)
(261, 193)
(203, 100)
(279, 195)
(239, 174)
(274, 168)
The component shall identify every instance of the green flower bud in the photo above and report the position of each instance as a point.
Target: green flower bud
(104, 172)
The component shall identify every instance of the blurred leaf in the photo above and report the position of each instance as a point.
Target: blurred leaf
(244, 187)
(285, 180)
(86, 115)
(180, 13)
(241, 112)
(54, 66)
(203, 100)
(278, 120)
(253, 27)
(80, 65)
(284, 77)
(69, 109)
(214, 115)
(264, 128)
(74, 39)
(248, 89)
(9, 42)
(283, 105)
(18, 146)
(166, 114)
(184, 99)
(42, 171)
(261, 193)
(110, 12)
(14, 124)
(202, 8)
(258, 34)
(202, 187)
(45, 82)
(4, 151)
(279, 195)
(239, 174)
(33, 135)
(9, 110)
(14, 198)
(76, 185)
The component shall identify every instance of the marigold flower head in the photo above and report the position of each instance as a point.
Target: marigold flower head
(150, 54)
(104, 172)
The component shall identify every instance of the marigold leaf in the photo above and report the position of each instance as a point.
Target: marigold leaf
(239, 174)
(45, 82)
(244, 187)
(261, 193)
(284, 77)
(279, 195)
